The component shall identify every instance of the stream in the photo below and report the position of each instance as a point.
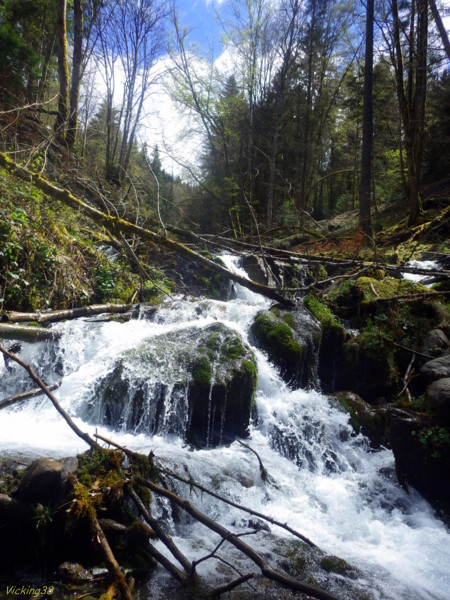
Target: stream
(325, 481)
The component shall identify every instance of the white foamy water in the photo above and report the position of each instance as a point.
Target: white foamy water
(324, 481)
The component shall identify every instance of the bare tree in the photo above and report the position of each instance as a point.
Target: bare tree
(130, 41)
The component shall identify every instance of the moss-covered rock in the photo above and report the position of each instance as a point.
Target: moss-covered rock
(331, 342)
(368, 367)
(196, 383)
(355, 298)
(364, 418)
(291, 340)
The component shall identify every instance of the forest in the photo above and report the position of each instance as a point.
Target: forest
(314, 117)
(224, 299)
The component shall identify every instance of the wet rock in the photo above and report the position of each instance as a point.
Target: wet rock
(196, 383)
(331, 341)
(364, 417)
(422, 453)
(291, 340)
(438, 394)
(43, 481)
(254, 267)
(367, 367)
(436, 343)
(437, 368)
(74, 573)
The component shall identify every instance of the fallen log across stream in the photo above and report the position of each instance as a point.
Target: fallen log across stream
(133, 483)
(117, 225)
(53, 316)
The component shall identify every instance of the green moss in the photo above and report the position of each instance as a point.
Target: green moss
(334, 564)
(331, 326)
(249, 367)
(202, 371)
(102, 465)
(233, 350)
(278, 335)
(289, 320)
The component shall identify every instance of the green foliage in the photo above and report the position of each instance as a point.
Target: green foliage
(106, 278)
(17, 59)
(435, 440)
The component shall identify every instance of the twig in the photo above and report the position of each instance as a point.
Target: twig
(113, 566)
(407, 378)
(262, 469)
(234, 584)
(389, 341)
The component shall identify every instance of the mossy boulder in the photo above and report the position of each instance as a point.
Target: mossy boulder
(331, 341)
(368, 367)
(195, 383)
(364, 418)
(356, 298)
(291, 341)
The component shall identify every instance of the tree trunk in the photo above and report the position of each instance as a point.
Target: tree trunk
(63, 71)
(76, 72)
(440, 26)
(366, 159)
(412, 100)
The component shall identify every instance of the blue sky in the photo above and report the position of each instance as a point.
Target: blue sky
(199, 16)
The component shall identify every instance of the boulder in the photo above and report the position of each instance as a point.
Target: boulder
(436, 343)
(291, 340)
(331, 341)
(364, 418)
(437, 368)
(438, 394)
(422, 453)
(45, 480)
(195, 383)
(367, 367)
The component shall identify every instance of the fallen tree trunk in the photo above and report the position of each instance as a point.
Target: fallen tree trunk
(62, 315)
(26, 334)
(118, 225)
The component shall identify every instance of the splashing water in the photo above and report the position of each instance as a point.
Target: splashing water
(325, 481)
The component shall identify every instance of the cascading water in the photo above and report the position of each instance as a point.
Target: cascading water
(324, 480)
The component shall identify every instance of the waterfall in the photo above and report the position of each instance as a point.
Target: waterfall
(325, 481)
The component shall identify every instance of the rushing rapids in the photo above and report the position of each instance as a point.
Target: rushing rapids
(324, 481)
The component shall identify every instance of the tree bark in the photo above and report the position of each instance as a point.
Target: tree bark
(76, 73)
(366, 159)
(61, 315)
(26, 334)
(63, 71)
(441, 27)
